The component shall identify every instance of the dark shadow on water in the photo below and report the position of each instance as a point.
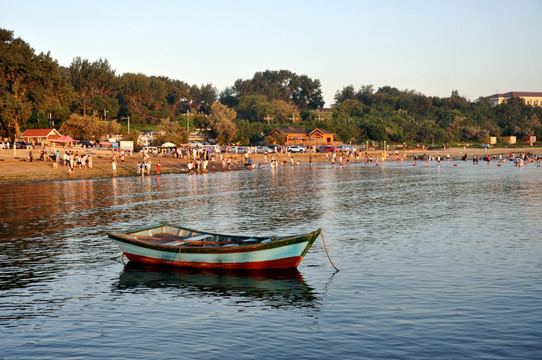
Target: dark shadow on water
(275, 288)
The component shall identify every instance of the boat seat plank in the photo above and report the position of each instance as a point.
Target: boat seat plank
(165, 237)
(176, 243)
(197, 237)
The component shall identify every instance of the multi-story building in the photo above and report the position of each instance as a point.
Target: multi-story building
(530, 98)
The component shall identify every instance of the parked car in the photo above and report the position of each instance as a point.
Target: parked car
(197, 144)
(150, 150)
(86, 143)
(264, 149)
(296, 149)
(345, 148)
(23, 145)
(239, 150)
(326, 149)
(274, 147)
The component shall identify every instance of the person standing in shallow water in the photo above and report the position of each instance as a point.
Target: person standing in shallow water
(158, 168)
(114, 166)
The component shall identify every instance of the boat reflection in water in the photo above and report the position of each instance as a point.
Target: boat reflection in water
(274, 288)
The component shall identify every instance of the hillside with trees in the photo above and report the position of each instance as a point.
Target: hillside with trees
(89, 100)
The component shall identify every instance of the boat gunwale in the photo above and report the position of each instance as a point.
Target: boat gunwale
(130, 238)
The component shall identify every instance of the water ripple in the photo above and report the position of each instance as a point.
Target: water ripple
(436, 262)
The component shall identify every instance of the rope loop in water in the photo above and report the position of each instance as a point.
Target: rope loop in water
(325, 248)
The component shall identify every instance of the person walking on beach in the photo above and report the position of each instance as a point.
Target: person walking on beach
(30, 155)
(114, 166)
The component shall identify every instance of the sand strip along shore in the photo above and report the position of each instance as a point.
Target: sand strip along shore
(18, 168)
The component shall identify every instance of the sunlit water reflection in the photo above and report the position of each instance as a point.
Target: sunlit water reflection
(436, 262)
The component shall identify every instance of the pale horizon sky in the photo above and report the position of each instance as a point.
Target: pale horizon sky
(477, 47)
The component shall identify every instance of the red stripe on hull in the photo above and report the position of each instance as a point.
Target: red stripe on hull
(286, 263)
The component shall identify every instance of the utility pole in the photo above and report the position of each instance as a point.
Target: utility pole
(268, 118)
(127, 118)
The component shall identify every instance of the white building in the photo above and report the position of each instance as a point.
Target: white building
(530, 98)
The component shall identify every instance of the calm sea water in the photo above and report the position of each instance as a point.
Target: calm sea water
(436, 263)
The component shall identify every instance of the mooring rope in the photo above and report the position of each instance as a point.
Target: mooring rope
(325, 248)
(118, 257)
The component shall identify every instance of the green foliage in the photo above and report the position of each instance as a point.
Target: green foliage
(254, 108)
(221, 122)
(88, 127)
(95, 84)
(229, 97)
(302, 91)
(33, 85)
(276, 138)
(347, 93)
(171, 131)
(28, 82)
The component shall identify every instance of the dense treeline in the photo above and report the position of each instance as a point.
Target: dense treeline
(407, 116)
(89, 100)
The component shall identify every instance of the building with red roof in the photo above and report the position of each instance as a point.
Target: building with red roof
(37, 136)
(306, 137)
(530, 98)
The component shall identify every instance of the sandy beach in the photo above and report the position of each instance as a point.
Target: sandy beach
(16, 167)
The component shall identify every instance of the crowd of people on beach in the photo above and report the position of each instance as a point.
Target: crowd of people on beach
(70, 159)
(199, 161)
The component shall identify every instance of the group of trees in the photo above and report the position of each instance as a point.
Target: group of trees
(406, 116)
(89, 100)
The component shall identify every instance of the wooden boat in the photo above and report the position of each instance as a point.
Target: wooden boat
(166, 244)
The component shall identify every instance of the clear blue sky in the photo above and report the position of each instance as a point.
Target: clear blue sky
(477, 47)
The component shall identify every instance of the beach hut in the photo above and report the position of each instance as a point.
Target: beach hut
(38, 136)
(306, 137)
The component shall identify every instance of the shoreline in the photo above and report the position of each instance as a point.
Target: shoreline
(18, 168)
